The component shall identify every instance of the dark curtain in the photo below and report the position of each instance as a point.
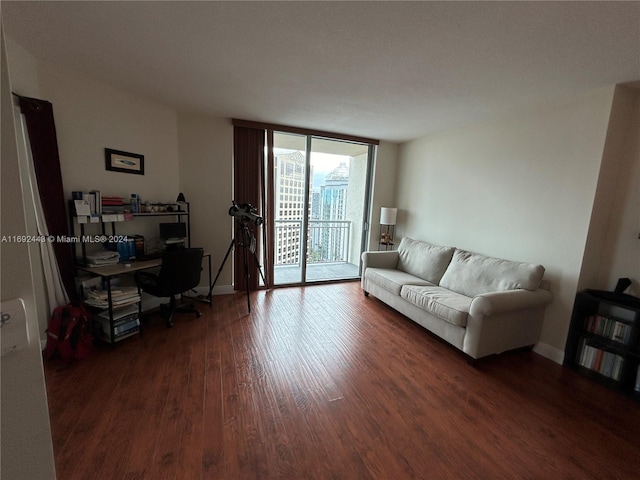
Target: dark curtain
(44, 149)
(248, 161)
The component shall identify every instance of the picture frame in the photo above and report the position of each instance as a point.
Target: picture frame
(125, 162)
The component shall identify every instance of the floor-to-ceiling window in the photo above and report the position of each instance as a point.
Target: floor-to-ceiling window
(314, 196)
(320, 199)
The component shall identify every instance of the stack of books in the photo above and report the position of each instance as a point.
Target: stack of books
(119, 297)
(125, 322)
(112, 209)
(602, 361)
(112, 204)
(608, 328)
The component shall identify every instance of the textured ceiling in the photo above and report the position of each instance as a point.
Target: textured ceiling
(388, 70)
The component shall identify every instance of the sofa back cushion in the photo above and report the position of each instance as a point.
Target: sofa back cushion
(472, 274)
(423, 260)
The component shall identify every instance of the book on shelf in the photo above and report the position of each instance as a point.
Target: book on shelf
(120, 336)
(120, 328)
(112, 200)
(123, 328)
(112, 205)
(97, 197)
(608, 328)
(605, 363)
(125, 320)
(113, 217)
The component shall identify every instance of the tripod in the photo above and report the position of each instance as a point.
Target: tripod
(248, 243)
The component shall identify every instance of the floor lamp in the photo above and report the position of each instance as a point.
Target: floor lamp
(387, 227)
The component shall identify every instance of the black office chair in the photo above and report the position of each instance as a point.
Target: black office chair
(180, 272)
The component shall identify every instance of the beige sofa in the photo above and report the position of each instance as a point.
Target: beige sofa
(481, 305)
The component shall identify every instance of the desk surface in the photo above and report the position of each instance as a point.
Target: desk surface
(120, 268)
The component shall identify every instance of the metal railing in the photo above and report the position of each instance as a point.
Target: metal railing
(328, 241)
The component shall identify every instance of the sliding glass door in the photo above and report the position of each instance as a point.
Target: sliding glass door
(319, 193)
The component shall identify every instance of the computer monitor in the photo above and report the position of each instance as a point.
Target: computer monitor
(173, 232)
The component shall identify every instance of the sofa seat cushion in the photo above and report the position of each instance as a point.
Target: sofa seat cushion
(391, 279)
(423, 260)
(472, 274)
(445, 304)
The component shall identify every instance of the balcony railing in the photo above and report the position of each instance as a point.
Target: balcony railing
(328, 241)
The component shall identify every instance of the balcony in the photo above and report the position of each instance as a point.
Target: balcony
(329, 251)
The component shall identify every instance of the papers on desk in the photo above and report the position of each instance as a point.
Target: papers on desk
(105, 257)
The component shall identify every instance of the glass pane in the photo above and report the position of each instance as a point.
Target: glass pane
(335, 227)
(289, 206)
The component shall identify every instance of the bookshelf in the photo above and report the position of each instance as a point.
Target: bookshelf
(118, 309)
(604, 340)
(179, 210)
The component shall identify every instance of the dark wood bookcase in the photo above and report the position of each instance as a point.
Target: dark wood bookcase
(604, 340)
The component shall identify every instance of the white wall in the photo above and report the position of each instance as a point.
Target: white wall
(91, 116)
(383, 188)
(613, 246)
(206, 179)
(520, 188)
(27, 451)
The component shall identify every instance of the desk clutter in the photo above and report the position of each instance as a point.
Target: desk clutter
(94, 204)
(103, 211)
(118, 320)
(120, 297)
(110, 260)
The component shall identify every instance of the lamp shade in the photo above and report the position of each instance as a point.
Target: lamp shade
(388, 216)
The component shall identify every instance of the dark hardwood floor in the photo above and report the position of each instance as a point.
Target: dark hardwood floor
(323, 383)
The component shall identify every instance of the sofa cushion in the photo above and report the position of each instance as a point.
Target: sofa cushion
(445, 304)
(472, 274)
(423, 260)
(391, 279)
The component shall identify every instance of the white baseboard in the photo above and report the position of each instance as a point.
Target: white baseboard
(218, 290)
(552, 353)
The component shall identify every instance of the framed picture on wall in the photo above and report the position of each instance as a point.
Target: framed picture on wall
(119, 161)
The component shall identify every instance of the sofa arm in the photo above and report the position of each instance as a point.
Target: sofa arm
(499, 302)
(501, 321)
(383, 259)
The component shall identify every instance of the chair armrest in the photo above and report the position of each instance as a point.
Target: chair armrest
(383, 259)
(499, 302)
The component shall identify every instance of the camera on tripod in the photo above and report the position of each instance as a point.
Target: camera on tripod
(246, 212)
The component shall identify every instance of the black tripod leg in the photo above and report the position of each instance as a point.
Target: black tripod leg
(246, 271)
(255, 257)
(233, 241)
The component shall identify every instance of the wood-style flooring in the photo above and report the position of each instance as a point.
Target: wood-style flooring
(323, 383)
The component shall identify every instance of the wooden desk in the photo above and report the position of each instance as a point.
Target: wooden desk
(107, 271)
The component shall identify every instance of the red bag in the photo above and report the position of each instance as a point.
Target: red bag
(69, 333)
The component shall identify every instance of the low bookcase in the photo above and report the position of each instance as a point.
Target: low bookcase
(604, 340)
